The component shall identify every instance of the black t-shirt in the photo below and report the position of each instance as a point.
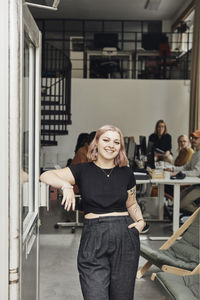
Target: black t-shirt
(102, 194)
(164, 143)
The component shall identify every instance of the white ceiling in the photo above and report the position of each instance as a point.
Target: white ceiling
(110, 9)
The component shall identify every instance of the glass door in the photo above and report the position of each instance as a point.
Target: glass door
(28, 141)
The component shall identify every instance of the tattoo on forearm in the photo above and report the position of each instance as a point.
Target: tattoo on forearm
(131, 197)
(132, 191)
(136, 208)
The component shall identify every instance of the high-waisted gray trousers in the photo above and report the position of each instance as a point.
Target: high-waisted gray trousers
(108, 258)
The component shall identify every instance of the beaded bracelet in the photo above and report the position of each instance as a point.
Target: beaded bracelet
(66, 187)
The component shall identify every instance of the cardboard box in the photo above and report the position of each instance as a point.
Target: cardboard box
(157, 174)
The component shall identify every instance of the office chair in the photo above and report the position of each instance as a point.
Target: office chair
(75, 224)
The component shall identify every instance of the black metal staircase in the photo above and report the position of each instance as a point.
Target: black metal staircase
(56, 95)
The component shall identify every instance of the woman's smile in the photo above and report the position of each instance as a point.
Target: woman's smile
(109, 145)
(109, 150)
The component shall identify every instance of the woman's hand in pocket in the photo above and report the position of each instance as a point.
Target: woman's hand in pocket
(138, 225)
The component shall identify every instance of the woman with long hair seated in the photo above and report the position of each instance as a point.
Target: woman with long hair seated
(184, 151)
(162, 142)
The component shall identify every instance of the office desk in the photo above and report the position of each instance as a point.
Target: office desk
(176, 203)
(144, 60)
(142, 181)
(122, 57)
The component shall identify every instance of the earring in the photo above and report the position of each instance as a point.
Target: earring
(95, 149)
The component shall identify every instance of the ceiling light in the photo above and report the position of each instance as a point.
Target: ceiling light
(152, 4)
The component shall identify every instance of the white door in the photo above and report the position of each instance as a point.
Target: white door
(30, 137)
(19, 155)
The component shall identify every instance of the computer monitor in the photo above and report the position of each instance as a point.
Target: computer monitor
(143, 144)
(131, 150)
(102, 40)
(152, 41)
(150, 155)
(137, 152)
(126, 143)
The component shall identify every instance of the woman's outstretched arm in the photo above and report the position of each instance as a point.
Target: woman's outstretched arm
(63, 179)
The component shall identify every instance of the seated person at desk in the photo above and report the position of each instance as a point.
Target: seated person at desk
(81, 155)
(190, 197)
(184, 151)
(184, 156)
(162, 142)
(82, 139)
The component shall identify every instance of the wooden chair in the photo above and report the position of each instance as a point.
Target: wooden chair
(177, 255)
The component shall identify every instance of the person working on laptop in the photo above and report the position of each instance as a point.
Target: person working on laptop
(81, 155)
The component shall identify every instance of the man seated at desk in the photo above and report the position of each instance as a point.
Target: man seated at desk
(190, 197)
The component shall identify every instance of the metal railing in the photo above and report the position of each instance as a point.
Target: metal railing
(127, 58)
(56, 95)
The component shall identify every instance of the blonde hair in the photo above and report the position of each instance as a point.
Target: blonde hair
(121, 159)
(178, 141)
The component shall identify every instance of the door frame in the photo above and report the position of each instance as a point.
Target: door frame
(31, 29)
(20, 19)
(4, 175)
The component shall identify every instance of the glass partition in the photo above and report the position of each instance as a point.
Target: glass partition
(28, 134)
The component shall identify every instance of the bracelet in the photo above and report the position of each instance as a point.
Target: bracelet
(141, 220)
(66, 187)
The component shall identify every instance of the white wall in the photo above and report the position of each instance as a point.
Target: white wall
(166, 25)
(132, 105)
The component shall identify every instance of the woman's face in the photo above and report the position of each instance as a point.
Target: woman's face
(183, 142)
(109, 145)
(161, 128)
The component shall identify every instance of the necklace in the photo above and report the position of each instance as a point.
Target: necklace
(107, 174)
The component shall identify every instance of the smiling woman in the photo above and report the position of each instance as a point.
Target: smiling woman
(108, 147)
(109, 248)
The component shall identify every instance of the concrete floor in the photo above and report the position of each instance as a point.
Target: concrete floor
(58, 254)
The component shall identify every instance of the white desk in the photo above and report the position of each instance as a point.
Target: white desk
(121, 56)
(142, 181)
(176, 207)
(142, 57)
